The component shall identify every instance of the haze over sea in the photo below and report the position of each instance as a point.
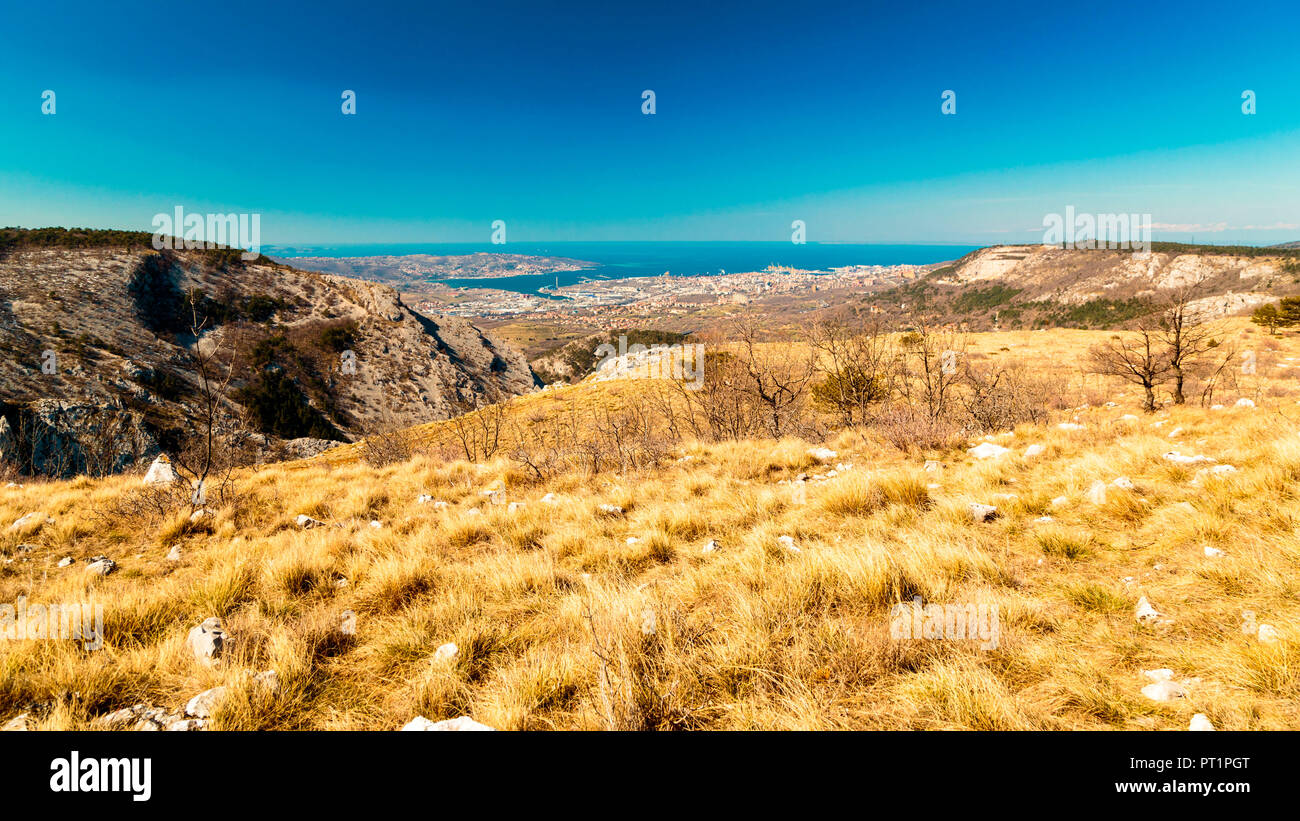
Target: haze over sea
(617, 260)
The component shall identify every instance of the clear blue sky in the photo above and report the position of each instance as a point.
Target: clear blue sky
(766, 113)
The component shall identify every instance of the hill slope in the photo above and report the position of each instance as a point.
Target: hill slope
(119, 321)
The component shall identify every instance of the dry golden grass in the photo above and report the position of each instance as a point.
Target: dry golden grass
(570, 617)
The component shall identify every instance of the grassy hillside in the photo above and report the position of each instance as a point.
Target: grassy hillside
(593, 604)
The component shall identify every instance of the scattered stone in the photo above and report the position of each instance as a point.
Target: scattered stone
(1201, 723)
(1243, 402)
(348, 623)
(208, 641)
(1070, 426)
(1034, 450)
(66, 561)
(186, 725)
(988, 450)
(787, 542)
(1178, 458)
(1145, 613)
(1128, 417)
(174, 555)
(161, 472)
(461, 724)
(1060, 500)
(1175, 432)
(1044, 519)
(1097, 492)
(612, 510)
(1268, 634)
(1164, 691)
(1163, 674)
(514, 506)
(101, 565)
(446, 652)
(16, 724)
(1212, 552)
(982, 513)
(307, 523)
(205, 703)
(200, 514)
(268, 680)
(710, 546)
(822, 454)
(548, 499)
(1123, 483)
(423, 499)
(631, 540)
(31, 520)
(931, 466)
(376, 524)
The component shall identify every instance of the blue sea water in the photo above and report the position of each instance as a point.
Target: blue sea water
(616, 260)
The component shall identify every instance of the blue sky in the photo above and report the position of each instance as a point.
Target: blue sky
(766, 113)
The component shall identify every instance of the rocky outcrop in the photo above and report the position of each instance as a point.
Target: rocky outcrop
(101, 375)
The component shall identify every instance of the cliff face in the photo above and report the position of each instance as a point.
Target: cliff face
(97, 352)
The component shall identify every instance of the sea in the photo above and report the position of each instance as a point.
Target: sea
(619, 260)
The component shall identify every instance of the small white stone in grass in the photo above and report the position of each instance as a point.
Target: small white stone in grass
(1158, 424)
(1128, 417)
(1212, 552)
(1164, 691)
(988, 450)
(307, 523)
(205, 703)
(174, 555)
(1180, 459)
(461, 724)
(341, 581)
(1060, 500)
(1243, 402)
(822, 454)
(1163, 674)
(1216, 407)
(1145, 613)
(1070, 426)
(931, 466)
(1175, 432)
(982, 513)
(376, 524)
(613, 510)
(66, 561)
(548, 499)
(788, 543)
(1044, 519)
(514, 507)
(1201, 723)
(710, 546)
(1033, 450)
(423, 499)
(1123, 483)
(633, 540)
(101, 565)
(268, 680)
(446, 652)
(933, 486)
(1097, 492)
(1267, 634)
(348, 623)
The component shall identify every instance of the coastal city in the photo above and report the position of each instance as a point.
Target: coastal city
(666, 294)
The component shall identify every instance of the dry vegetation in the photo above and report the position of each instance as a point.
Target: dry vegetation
(600, 609)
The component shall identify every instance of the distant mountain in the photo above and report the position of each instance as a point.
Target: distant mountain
(96, 342)
(414, 269)
(1295, 244)
(1028, 286)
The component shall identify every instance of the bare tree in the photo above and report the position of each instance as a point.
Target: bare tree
(1188, 335)
(1139, 358)
(211, 446)
(776, 375)
(932, 368)
(860, 366)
